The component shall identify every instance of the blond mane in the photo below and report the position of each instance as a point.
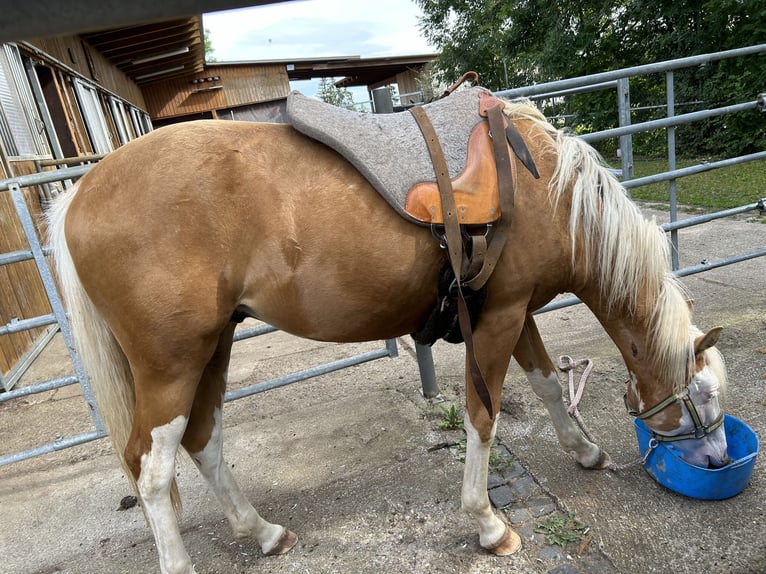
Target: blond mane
(626, 254)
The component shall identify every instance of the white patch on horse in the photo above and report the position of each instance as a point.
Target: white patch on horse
(244, 519)
(633, 382)
(548, 388)
(157, 471)
(474, 494)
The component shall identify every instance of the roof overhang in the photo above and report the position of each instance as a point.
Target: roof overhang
(153, 52)
(351, 70)
(27, 20)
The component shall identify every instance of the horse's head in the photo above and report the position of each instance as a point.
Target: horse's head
(692, 419)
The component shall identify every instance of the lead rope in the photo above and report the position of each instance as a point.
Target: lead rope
(568, 365)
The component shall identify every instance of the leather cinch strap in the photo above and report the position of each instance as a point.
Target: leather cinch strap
(454, 249)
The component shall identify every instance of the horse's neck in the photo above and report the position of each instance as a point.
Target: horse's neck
(630, 332)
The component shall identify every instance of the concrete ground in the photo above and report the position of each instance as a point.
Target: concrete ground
(354, 462)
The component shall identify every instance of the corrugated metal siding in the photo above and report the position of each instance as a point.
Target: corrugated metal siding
(75, 53)
(240, 85)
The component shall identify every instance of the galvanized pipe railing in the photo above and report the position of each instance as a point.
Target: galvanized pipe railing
(569, 83)
(38, 253)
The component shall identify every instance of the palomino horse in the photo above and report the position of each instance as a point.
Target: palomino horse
(168, 238)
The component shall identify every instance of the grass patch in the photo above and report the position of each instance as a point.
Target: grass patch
(716, 189)
(562, 529)
(499, 460)
(451, 419)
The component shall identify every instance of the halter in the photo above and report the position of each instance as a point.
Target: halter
(700, 430)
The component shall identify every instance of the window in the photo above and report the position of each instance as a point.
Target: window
(141, 122)
(21, 129)
(93, 113)
(120, 120)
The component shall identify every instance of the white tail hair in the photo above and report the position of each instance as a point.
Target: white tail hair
(101, 355)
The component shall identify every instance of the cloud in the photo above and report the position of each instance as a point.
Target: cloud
(309, 38)
(316, 28)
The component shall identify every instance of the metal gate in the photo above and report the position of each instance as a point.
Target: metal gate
(38, 253)
(618, 80)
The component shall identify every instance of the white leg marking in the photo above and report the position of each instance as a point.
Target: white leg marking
(570, 438)
(244, 519)
(474, 496)
(157, 471)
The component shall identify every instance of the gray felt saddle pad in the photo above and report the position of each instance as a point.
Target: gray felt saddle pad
(389, 149)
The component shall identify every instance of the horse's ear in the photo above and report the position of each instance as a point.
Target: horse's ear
(690, 304)
(704, 342)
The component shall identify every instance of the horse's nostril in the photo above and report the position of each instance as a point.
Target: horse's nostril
(725, 462)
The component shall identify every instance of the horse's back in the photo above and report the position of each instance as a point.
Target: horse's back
(207, 217)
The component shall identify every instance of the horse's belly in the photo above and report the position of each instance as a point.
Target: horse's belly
(358, 300)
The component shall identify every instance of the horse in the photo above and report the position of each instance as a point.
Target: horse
(168, 239)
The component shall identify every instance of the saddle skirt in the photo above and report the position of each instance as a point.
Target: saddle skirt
(390, 152)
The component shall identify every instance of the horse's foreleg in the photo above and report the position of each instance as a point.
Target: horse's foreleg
(541, 373)
(204, 443)
(494, 534)
(493, 353)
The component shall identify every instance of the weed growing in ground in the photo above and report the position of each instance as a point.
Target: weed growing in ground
(451, 419)
(499, 460)
(561, 529)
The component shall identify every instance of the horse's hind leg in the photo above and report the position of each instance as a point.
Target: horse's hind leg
(541, 373)
(203, 441)
(159, 424)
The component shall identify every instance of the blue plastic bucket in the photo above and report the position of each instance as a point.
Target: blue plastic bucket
(667, 467)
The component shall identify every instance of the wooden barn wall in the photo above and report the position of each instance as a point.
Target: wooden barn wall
(238, 85)
(408, 82)
(22, 294)
(83, 58)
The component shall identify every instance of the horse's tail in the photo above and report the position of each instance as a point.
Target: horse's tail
(101, 355)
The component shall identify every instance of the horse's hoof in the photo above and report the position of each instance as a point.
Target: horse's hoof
(604, 460)
(509, 544)
(601, 462)
(283, 545)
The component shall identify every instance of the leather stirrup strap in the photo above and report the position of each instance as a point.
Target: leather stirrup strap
(505, 184)
(454, 249)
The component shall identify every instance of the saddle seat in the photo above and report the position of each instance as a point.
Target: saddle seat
(390, 152)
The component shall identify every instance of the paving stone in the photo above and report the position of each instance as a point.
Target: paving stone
(563, 569)
(552, 553)
(514, 470)
(501, 496)
(518, 515)
(524, 486)
(527, 532)
(540, 506)
(494, 480)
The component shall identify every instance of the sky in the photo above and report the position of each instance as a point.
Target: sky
(315, 29)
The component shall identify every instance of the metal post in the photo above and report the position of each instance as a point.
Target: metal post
(427, 372)
(381, 100)
(671, 166)
(382, 104)
(626, 141)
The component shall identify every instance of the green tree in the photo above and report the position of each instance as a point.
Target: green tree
(519, 42)
(332, 94)
(209, 48)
